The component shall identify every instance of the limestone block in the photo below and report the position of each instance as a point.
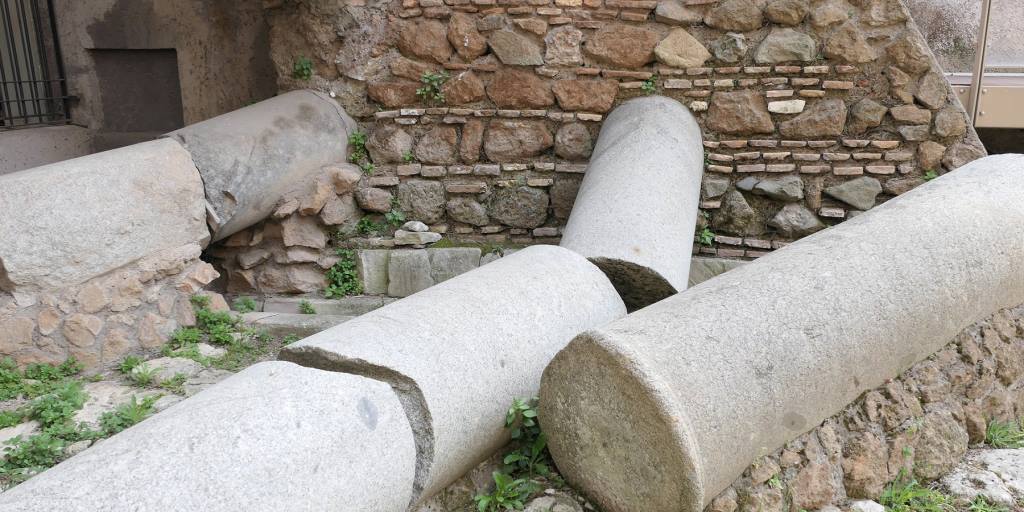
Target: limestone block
(640, 232)
(64, 223)
(667, 395)
(450, 262)
(275, 436)
(372, 266)
(251, 157)
(459, 352)
(408, 272)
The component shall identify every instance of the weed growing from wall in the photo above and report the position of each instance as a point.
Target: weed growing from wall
(302, 69)
(342, 279)
(432, 84)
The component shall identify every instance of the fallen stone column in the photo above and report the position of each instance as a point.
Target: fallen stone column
(663, 409)
(64, 223)
(636, 211)
(273, 437)
(459, 352)
(251, 157)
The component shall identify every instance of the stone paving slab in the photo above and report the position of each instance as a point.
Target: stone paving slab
(284, 324)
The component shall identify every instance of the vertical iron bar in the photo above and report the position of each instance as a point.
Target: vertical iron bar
(61, 88)
(3, 76)
(978, 74)
(41, 88)
(13, 52)
(32, 102)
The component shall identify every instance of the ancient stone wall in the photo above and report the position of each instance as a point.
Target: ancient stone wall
(128, 310)
(812, 110)
(919, 424)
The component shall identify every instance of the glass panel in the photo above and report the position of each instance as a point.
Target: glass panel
(1005, 37)
(951, 28)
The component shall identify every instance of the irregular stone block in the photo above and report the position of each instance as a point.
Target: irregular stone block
(64, 223)
(641, 236)
(667, 395)
(251, 157)
(702, 269)
(501, 325)
(408, 272)
(300, 325)
(256, 442)
(372, 266)
(448, 263)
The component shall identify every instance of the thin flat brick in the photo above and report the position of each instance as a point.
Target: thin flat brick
(867, 156)
(698, 71)
(788, 69)
(722, 169)
(779, 94)
(460, 169)
(747, 155)
(718, 157)
(540, 182)
(774, 81)
(582, 116)
(711, 144)
(730, 253)
(814, 169)
(847, 170)
(750, 168)
(837, 84)
(781, 155)
(757, 243)
(816, 70)
(832, 213)
(514, 167)
(881, 169)
(806, 157)
(820, 144)
(571, 168)
(711, 205)
(678, 83)
(734, 144)
(383, 181)
(812, 93)
(542, 232)
(466, 188)
(408, 169)
(856, 143)
(885, 144)
(433, 171)
(728, 240)
(763, 143)
(835, 157)
(804, 82)
(794, 143)
(757, 70)
(544, 166)
(781, 168)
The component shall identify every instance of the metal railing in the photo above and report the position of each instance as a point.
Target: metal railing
(33, 90)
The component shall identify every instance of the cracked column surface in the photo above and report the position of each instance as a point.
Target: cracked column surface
(252, 156)
(64, 223)
(663, 409)
(636, 211)
(274, 437)
(459, 352)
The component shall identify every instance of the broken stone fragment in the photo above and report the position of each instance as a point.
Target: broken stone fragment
(681, 50)
(859, 193)
(786, 45)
